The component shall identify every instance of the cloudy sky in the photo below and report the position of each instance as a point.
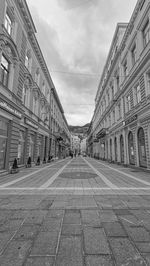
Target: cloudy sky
(75, 37)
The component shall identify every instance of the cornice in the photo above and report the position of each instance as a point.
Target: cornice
(130, 26)
(22, 4)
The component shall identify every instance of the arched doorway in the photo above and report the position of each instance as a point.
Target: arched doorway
(141, 148)
(131, 148)
(111, 149)
(115, 146)
(121, 149)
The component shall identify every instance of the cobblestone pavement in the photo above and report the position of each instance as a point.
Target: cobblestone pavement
(74, 213)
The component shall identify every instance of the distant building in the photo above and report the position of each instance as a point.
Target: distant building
(75, 144)
(83, 145)
(120, 127)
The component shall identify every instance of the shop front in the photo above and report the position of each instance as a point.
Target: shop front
(121, 149)
(101, 136)
(131, 148)
(115, 147)
(21, 148)
(31, 150)
(10, 117)
(3, 141)
(141, 148)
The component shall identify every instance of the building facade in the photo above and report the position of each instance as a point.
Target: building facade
(60, 134)
(120, 129)
(75, 144)
(83, 145)
(26, 89)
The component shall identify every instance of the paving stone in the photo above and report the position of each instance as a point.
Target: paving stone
(51, 224)
(101, 260)
(129, 220)
(45, 204)
(72, 217)
(141, 215)
(19, 214)
(59, 204)
(147, 258)
(82, 203)
(143, 247)
(15, 253)
(45, 244)
(95, 241)
(40, 261)
(11, 225)
(70, 252)
(125, 253)
(55, 214)
(4, 239)
(114, 229)
(107, 216)
(90, 217)
(5, 214)
(35, 217)
(71, 229)
(122, 212)
(138, 234)
(27, 231)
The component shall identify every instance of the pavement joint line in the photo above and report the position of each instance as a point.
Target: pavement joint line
(51, 180)
(128, 175)
(105, 180)
(74, 188)
(25, 176)
(127, 220)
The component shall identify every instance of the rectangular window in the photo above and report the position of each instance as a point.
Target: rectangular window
(8, 24)
(37, 77)
(146, 33)
(125, 68)
(24, 95)
(148, 83)
(27, 61)
(117, 82)
(119, 111)
(113, 116)
(128, 103)
(133, 54)
(112, 91)
(108, 98)
(4, 71)
(137, 95)
(35, 106)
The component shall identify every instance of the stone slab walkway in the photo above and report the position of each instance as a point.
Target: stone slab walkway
(66, 230)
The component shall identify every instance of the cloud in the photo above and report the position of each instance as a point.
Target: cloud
(75, 36)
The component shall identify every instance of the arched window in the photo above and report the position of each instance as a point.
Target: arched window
(8, 60)
(4, 71)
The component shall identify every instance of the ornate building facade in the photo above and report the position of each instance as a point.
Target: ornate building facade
(120, 130)
(26, 91)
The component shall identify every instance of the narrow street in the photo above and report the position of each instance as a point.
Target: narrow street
(75, 212)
